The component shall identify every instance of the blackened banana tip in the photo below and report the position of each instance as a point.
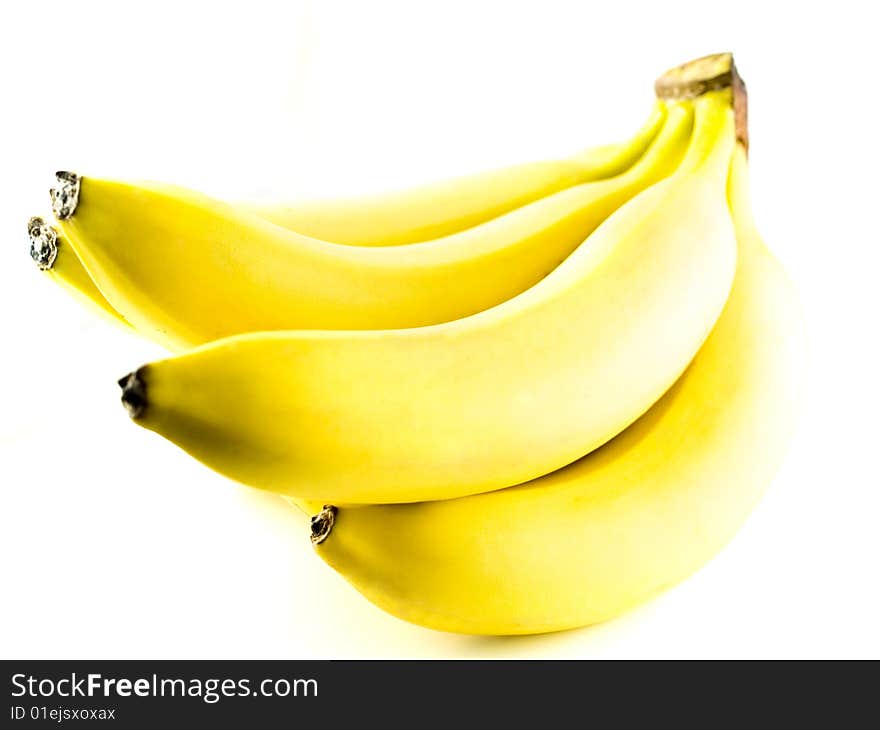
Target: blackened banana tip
(322, 524)
(134, 393)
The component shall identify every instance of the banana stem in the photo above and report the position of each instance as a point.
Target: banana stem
(702, 75)
(713, 123)
(663, 152)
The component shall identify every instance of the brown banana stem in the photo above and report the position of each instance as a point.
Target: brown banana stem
(702, 75)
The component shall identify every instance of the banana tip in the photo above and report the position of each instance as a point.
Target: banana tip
(43, 242)
(134, 393)
(65, 194)
(322, 524)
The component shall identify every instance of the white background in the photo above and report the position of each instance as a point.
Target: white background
(114, 544)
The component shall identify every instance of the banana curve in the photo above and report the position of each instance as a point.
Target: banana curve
(431, 415)
(588, 542)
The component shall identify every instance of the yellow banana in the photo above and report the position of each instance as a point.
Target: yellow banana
(446, 207)
(484, 402)
(590, 541)
(62, 265)
(442, 207)
(170, 261)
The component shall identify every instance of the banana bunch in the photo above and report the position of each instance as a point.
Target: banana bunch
(517, 402)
